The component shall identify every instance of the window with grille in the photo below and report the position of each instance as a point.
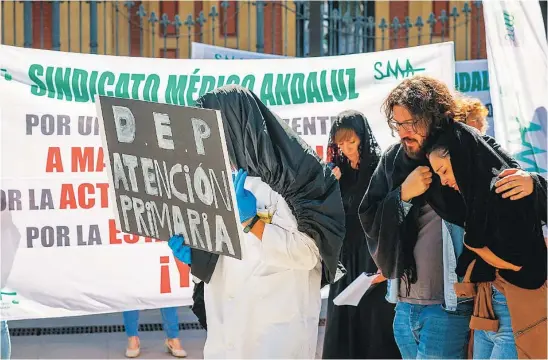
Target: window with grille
(170, 8)
(228, 18)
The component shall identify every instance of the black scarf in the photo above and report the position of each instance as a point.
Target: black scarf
(476, 167)
(409, 230)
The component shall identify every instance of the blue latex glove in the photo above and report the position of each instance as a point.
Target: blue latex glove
(180, 250)
(247, 203)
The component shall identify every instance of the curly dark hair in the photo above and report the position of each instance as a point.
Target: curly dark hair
(428, 100)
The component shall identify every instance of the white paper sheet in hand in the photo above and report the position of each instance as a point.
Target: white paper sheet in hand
(355, 291)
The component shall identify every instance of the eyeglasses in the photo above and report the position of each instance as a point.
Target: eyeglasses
(408, 125)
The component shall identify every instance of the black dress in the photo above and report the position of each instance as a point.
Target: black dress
(364, 331)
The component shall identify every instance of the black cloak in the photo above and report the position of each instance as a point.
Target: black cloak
(512, 230)
(260, 142)
(354, 183)
(363, 331)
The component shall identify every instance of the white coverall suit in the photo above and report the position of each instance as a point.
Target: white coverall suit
(266, 305)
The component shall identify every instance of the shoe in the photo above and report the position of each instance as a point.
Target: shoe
(133, 353)
(178, 353)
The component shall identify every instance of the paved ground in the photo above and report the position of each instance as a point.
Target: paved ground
(104, 345)
(108, 345)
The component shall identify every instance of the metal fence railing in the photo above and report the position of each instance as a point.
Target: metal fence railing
(167, 28)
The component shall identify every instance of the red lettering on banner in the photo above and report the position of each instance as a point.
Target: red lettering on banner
(184, 273)
(54, 163)
(183, 270)
(85, 159)
(114, 237)
(88, 196)
(165, 278)
(165, 283)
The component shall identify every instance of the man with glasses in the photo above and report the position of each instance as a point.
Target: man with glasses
(406, 236)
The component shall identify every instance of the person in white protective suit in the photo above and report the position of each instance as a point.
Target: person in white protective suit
(267, 305)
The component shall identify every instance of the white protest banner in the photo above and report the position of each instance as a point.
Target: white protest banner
(518, 69)
(472, 79)
(471, 76)
(71, 258)
(206, 51)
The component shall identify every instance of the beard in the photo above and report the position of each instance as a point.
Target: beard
(415, 153)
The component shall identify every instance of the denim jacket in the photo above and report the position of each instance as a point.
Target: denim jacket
(453, 244)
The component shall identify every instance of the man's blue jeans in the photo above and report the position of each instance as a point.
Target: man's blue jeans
(5, 340)
(430, 332)
(500, 344)
(169, 319)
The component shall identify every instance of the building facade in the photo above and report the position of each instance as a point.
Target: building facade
(146, 28)
(291, 28)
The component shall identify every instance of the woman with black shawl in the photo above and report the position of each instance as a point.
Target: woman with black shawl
(504, 260)
(364, 331)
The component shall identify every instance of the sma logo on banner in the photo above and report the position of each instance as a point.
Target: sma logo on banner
(395, 70)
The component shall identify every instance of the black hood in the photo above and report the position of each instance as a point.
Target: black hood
(470, 154)
(260, 142)
(369, 152)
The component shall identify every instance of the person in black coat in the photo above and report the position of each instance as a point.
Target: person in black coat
(504, 249)
(364, 331)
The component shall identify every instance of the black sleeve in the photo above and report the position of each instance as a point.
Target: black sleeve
(382, 213)
(540, 194)
(198, 305)
(203, 264)
(539, 191)
(501, 152)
